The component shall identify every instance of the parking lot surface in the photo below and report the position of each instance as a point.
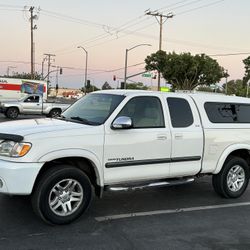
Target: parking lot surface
(188, 216)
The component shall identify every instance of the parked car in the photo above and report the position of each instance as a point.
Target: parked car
(121, 139)
(31, 105)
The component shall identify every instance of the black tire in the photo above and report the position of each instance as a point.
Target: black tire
(55, 113)
(12, 113)
(224, 181)
(44, 194)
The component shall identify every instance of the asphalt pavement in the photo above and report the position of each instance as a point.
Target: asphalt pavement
(190, 216)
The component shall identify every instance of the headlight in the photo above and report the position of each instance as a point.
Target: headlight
(14, 149)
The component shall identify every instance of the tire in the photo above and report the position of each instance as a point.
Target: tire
(55, 113)
(58, 190)
(233, 178)
(12, 113)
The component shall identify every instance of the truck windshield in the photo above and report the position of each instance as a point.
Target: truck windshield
(93, 109)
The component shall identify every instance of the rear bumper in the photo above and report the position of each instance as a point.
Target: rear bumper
(18, 178)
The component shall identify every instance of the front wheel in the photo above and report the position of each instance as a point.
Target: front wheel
(12, 113)
(62, 195)
(233, 179)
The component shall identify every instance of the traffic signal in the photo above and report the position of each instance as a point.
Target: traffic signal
(61, 71)
(114, 77)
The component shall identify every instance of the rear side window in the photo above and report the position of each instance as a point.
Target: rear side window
(219, 112)
(180, 112)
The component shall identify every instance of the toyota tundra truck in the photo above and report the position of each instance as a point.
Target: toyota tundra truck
(121, 139)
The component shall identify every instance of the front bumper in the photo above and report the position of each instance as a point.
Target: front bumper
(2, 110)
(18, 178)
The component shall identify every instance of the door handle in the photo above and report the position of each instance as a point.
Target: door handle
(162, 137)
(178, 136)
(37, 104)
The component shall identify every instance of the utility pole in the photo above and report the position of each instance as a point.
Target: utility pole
(159, 17)
(86, 69)
(32, 27)
(49, 64)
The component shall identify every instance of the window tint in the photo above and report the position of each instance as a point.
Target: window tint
(145, 112)
(180, 112)
(227, 112)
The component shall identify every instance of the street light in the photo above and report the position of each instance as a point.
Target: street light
(126, 60)
(86, 68)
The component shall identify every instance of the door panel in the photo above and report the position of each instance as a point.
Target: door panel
(142, 152)
(187, 143)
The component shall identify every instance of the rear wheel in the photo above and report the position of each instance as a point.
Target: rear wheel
(62, 195)
(55, 113)
(233, 179)
(12, 113)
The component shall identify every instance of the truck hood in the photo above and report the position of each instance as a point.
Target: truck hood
(37, 126)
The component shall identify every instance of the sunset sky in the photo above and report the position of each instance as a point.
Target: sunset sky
(106, 28)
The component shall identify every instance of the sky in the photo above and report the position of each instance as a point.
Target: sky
(107, 28)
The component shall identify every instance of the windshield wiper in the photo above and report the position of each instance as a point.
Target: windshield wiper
(84, 121)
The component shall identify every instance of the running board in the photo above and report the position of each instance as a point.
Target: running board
(161, 183)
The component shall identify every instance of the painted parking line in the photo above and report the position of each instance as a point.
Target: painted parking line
(169, 211)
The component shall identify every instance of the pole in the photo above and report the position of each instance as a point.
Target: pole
(160, 46)
(49, 64)
(43, 66)
(126, 60)
(86, 73)
(247, 87)
(226, 80)
(169, 15)
(86, 69)
(31, 36)
(126, 68)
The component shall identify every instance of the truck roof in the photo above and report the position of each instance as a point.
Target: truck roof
(199, 97)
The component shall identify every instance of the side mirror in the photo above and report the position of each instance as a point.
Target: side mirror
(122, 122)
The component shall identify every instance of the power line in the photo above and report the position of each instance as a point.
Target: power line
(200, 7)
(231, 54)
(116, 30)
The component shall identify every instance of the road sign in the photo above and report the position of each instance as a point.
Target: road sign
(165, 89)
(146, 75)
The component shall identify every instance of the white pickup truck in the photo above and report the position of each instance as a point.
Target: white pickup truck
(31, 105)
(120, 139)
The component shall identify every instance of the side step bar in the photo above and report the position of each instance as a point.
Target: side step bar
(160, 183)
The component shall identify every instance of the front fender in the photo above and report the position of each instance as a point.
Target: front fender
(76, 152)
(226, 153)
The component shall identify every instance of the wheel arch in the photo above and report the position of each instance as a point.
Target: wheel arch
(87, 162)
(55, 108)
(15, 107)
(240, 150)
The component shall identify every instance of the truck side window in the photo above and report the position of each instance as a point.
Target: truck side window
(145, 112)
(180, 112)
(227, 112)
(32, 99)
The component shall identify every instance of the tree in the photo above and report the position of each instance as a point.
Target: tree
(106, 86)
(236, 87)
(185, 71)
(247, 69)
(89, 87)
(138, 85)
(25, 75)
